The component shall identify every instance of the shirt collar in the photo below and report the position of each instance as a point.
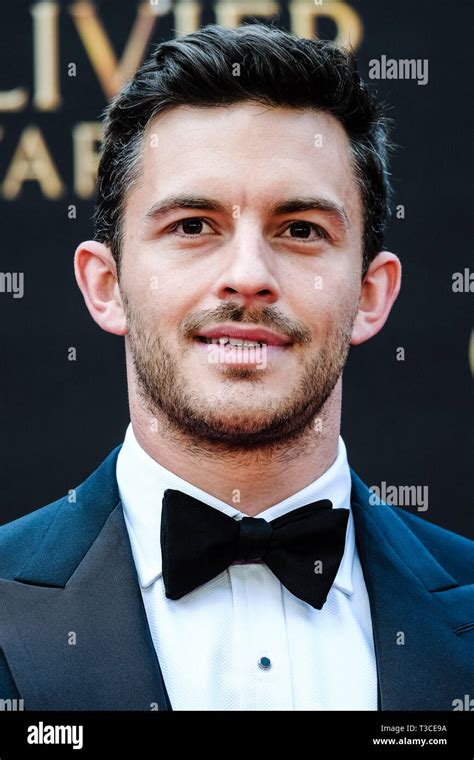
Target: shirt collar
(142, 482)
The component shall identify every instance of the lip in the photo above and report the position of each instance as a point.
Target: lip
(258, 334)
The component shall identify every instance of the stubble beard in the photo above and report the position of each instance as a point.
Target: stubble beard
(202, 424)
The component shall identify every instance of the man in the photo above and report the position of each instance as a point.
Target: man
(225, 556)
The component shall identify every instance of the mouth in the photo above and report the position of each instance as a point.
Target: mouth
(244, 337)
(242, 347)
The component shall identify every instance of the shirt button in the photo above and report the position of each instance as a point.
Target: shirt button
(265, 663)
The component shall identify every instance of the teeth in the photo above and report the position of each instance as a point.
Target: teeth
(241, 342)
(235, 342)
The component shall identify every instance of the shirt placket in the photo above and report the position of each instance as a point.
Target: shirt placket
(261, 653)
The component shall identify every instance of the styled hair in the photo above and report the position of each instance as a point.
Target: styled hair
(276, 69)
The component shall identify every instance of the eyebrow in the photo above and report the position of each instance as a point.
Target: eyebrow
(289, 206)
(313, 203)
(176, 202)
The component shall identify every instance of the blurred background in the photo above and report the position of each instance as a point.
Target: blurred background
(407, 414)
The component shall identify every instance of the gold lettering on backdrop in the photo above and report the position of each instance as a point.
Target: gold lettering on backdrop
(304, 16)
(230, 13)
(13, 100)
(86, 137)
(45, 56)
(187, 17)
(111, 73)
(32, 161)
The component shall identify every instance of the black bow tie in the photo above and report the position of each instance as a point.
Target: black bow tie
(303, 548)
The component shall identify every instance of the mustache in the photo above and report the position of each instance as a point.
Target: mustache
(265, 316)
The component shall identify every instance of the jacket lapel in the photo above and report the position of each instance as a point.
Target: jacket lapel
(419, 612)
(75, 630)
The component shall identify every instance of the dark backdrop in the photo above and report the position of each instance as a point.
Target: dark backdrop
(404, 422)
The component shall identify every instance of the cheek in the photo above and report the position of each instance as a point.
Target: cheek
(327, 305)
(148, 291)
(341, 285)
(171, 288)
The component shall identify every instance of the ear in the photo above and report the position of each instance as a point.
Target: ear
(96, 275)
(380, 288)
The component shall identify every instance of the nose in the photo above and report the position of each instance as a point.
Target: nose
(248, 273)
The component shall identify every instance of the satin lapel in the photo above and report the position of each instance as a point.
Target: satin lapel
(420, 616)
(82, 642)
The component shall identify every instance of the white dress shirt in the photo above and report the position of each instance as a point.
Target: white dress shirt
(209, 642)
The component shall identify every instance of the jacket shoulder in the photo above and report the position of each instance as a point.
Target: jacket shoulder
(19, 536)
(62, 521)
(453, 552)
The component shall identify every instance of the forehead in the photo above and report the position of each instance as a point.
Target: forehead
(247, 154)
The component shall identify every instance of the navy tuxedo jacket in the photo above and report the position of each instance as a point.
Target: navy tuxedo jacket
(67, 569)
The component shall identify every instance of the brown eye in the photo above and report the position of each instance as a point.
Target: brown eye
(191, 226)
(303, 230)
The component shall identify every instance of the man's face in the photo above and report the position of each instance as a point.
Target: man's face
(232, 259)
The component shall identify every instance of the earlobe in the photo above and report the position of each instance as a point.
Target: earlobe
(380, 288)
(96, 275)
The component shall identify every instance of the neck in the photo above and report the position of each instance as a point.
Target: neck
(250, 481)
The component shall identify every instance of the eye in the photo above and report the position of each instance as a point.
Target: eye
(191, 227)
(302, 230)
